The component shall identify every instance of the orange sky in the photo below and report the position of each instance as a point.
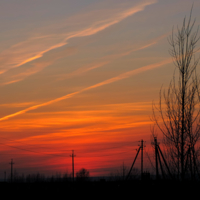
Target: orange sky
(73, 78)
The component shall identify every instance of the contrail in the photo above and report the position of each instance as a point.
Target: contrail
(38, 66)
(109, 59)
(129, 74)
(106, 82)
(87, 31)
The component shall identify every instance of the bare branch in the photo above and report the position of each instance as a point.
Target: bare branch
(179, 120)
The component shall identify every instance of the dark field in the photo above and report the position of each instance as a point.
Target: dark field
(129, 189)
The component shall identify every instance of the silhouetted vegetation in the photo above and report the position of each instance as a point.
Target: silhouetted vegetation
(38, 178)
(120, 174)
(106, 186)
(82, 175)
(179, 119)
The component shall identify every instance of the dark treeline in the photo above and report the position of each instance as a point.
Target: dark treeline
(98, 187)
(38, 178)
(39, 184)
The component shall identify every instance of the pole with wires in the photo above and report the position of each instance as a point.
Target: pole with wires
(11, 163)
(142, 146)
(72, 164)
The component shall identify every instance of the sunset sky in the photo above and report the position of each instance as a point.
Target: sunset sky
(81, 75)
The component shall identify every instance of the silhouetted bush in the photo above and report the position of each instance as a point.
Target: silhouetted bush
(82, 175)
(31, 178)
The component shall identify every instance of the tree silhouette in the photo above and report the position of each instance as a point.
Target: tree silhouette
(82, 175)
(179, 120)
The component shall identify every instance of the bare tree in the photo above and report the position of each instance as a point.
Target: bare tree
(82, 175)
(179, 120)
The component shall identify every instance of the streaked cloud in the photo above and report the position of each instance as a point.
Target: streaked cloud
(36, 47)
(36, 67)
(112, 80)
(16, 105)
(51, 128)
(108, 59)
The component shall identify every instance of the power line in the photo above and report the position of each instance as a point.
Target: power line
(24, 143)
(32, 150)
(57, 155)
(11, 163)
(72, 163)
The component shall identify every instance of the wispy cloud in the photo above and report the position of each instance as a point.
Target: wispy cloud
(36, 67)
(36, 47)
(118, 114)
(130, 73)
(106, 82)
(16, 105)
(83, 70)
(108, 59)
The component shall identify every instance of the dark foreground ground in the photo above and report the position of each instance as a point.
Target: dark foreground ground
(105, 189)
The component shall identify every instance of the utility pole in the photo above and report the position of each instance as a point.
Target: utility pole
(156, 156)
(123, 171)
(142, 158)
(72, 164)
(133, 163)
(140, 148)
(11, 163)
(5, 176)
